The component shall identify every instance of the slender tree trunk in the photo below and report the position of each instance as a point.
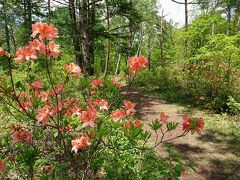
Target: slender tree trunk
(75, 33)
(228, 20)
(140, 42)
(49, 10)
(6, 26)
(149, 52)
(86, 15)
(130, 35)
(237, 17)
(108, 41)
(29, 18)
(186, 31)
(118, 64)
(213, 23)
(161, 42)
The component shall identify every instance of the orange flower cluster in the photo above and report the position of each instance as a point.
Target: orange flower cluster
(127, 110)
(3, 53)
(88, 117)
(19, 134)
(131, 124)
(46, 32)
(96, 83)
(80, 143)
(73, 69)
(3, 167)
(193, 125)
(164, 118)
(136, 63)
(44, 113)
(117, 83)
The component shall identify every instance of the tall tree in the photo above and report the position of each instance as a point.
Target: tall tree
(75, 33)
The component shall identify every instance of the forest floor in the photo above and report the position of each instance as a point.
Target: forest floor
(215, 154)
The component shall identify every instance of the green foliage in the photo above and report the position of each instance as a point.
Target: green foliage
(233, 105)
(214, 73)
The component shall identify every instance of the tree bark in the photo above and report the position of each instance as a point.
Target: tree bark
(186, 31)
(108, 41)
(118, 63)
(75, 33)
(49, 10)
(29, 17)
(6, 26)
(149, 52)
(228, 10)
(87, 16)
(161, 42)
(237, 17)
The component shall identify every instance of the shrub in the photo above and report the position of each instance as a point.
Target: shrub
(64, 124)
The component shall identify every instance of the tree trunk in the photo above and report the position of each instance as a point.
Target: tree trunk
(161, 42)
(130, 35)
(49, 10)
(186, 31)
(118, 63)
(86, 15)
(108, 41)
(140, 42)
(29, 18)
(237, 17)
(149, 52)
(228, 19)
(6, 26)
(75, 33)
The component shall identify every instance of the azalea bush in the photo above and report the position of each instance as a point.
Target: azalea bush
(65, 124)
(213, 74)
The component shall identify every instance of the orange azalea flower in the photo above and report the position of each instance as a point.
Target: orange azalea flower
(45, 31)
(88, 117)
(73, 69)
(93, 93)
(117, 83)
(80, 143)
(136, 63)
(130, 124)
(36, 85)
(43, 96)
(58, 90)
(129, 106)
(3, 167)
(164, 118)
(54, 49)
(27, 54)
(193, 125)
(24, 105)
(101, 103)
(97, 83)
(44, 113)
(137, 123)
(3, 53)
(74, 110)
(118, 114)
(19, 134)
(43, 49)
(47, 169)
(35, 44)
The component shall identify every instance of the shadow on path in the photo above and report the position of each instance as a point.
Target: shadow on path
(212, 154)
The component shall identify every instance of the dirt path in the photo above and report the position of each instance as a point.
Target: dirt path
(208, 153)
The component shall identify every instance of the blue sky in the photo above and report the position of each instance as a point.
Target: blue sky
(174, 11)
